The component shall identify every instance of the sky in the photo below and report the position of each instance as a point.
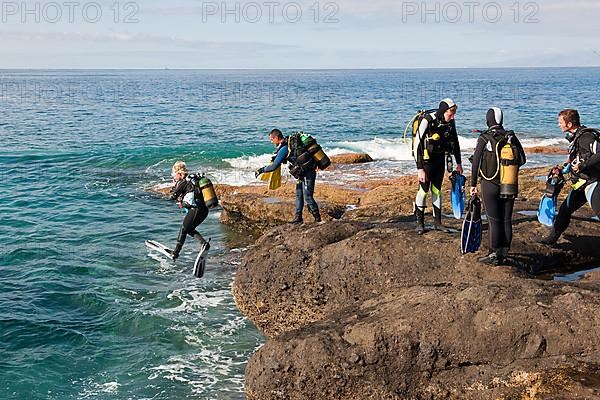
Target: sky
(266, 34)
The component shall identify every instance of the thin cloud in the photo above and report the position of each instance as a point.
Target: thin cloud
(138, 38)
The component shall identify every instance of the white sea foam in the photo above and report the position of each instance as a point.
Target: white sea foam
(201, 371)
(94, 389)
(193, 300)
(395, 151)
(249, 162)
(380, 148)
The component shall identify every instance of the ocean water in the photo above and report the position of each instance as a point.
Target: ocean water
(85, 311)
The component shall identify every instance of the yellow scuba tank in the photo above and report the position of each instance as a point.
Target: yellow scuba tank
(414, 123)
(319, 155)
(509, 172)
(208, 192)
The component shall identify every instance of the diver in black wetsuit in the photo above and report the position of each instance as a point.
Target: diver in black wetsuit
(584, 160)
(191, 200)
(499, 209)
(437, 136)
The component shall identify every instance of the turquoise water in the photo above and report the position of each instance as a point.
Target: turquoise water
(85, 312)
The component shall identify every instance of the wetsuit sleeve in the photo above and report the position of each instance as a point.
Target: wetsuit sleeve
(177, 190)
(279, 159)
(455, 144)
(589, 141)
(418, 145)
(481, 142)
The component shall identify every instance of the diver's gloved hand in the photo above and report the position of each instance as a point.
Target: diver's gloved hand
(258, 172)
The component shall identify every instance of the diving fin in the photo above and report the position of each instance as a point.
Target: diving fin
(457, 194)
(275, 179)
(547, 208)
(265, 176)
(547, 211)
(471, 227)
(160, 248)
(200, 263)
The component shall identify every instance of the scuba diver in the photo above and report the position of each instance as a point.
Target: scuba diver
(279, 158)
(584, 165)
(497, 158)
(302, 166)
(435, 138)
(191, 199)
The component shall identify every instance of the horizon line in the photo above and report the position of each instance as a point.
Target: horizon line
(285, 69)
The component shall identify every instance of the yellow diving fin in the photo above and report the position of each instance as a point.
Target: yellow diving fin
(265, 177)
(275, 179)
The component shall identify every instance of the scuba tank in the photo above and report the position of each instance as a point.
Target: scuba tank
(208, 192)
(414, 124)
(509, 172)
(506, 164)
(319, 155)
(315, 150)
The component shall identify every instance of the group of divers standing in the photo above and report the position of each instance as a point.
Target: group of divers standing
(436, 137)
(435, 141)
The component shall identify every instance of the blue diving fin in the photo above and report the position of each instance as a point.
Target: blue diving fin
(457, 194)
(547, 209)
(471, 227)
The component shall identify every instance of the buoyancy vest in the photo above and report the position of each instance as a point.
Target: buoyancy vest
(582, 149)
(300, 159)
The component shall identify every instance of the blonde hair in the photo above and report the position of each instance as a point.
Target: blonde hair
(179, 168)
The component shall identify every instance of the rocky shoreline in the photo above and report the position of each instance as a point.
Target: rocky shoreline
(365, 311)
(360, 307)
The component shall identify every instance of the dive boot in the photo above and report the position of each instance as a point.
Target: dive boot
(179, 245)
(172, 253)
(437, 219)
(490, 259)
(202, 241)
(316, 215)
(420, 214)
(550, 238)
(297, 219)
(501, 255)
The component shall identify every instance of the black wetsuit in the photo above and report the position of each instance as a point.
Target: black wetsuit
(196, 213)
(430, 155)
(586, 148)
(499, 210)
